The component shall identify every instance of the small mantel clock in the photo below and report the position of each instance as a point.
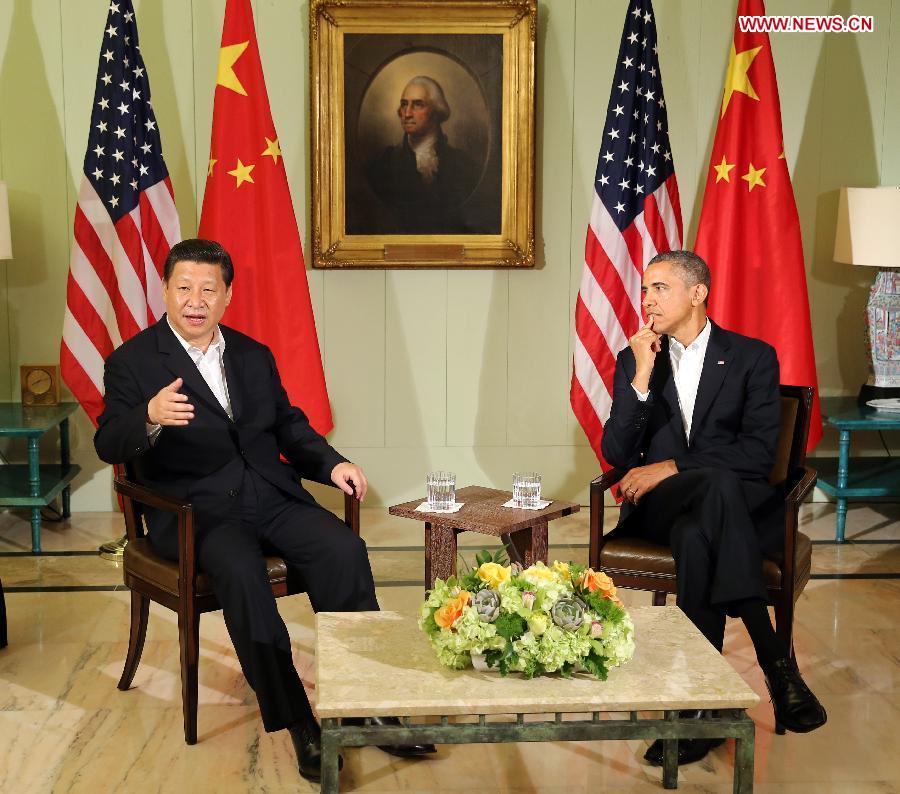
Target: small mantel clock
(40, 384)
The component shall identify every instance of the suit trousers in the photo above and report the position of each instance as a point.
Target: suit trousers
(330, 560)
(711, 519)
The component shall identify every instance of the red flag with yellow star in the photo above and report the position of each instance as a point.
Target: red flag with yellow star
(247, 208)
(749, 230)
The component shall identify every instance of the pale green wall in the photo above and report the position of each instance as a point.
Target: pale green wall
(461, 370)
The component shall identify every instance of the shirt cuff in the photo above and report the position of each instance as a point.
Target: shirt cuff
(152, 432)
(641, 395)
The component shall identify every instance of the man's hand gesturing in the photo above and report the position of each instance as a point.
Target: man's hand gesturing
(169, 407)
(645, 345)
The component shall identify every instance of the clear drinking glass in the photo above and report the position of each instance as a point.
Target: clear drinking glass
(441, 489)
(526, 489)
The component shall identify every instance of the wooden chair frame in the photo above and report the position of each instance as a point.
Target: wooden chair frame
(800, 482)
(188, 603)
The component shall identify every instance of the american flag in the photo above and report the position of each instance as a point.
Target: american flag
(635, 214)
(125, 218)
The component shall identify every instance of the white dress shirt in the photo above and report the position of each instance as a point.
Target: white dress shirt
(211, 365)
(687, 366)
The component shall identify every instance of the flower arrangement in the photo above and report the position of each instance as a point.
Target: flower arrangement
(542, 619)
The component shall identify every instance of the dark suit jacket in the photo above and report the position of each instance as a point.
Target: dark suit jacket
(736, 415)
(419, 207)
(203, 462)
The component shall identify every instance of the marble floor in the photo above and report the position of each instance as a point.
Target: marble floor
(64, 727)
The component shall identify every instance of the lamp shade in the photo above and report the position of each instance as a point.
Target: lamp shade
(5, 239)
(868, 227)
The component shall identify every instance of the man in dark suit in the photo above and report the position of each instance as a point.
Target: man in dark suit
(199, 411)
(695, 419)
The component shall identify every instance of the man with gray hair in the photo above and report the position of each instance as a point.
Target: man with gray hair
(695, 420)
(424, 180)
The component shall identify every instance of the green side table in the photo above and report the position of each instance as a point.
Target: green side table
(31, 484)
(852, 478)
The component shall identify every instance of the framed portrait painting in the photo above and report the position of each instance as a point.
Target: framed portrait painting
(422, 133)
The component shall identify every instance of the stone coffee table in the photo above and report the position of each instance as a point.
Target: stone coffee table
(379, 664)
(524, 532)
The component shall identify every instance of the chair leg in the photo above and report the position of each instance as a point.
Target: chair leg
(659, 598)
(189, 642)
(140, 610)
(784, 622)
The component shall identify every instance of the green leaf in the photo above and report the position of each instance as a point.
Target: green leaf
(510, 626)
(471, 582)
(576, 570)
(596, 664)
(603, 607)
(482, 557)
(500, 557)
(430, 626)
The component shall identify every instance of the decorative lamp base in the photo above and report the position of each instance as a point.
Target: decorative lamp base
(883, 315)
(113, 550)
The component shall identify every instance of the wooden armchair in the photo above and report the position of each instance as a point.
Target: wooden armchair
(640, 565)
(180, 586)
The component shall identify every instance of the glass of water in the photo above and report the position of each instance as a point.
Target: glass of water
(526, 489)
(441, 489)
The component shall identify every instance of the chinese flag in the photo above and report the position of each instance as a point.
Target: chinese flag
(749, 231)
(247, 208)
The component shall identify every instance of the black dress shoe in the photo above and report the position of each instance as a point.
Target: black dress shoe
(400, 750)
(689, 750)
(308, 746)
(796, 708)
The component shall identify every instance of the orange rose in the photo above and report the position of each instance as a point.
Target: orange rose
(448, 614)
(593, 581)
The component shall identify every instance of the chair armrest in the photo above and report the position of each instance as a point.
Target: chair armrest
(184, 512)
(607, 480)
(351, 512)
(145, 496)
(802, 487)
(598, 486)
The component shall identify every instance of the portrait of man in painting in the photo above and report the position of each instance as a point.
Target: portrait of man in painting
(423, 134)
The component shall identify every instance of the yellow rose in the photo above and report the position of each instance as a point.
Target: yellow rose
(448, 614)
(541, 573)
(493, 573)
(562, 568)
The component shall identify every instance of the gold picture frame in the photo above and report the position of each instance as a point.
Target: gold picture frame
(452, 187)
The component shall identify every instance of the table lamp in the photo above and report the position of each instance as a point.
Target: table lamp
(5, 238)
(868, 233)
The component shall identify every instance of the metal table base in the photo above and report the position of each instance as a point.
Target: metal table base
(730, 723)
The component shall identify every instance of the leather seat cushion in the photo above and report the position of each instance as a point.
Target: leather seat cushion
(640, 556)
(141, 561)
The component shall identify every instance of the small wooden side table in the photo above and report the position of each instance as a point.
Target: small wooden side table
(524, 532)
(31, 484)
(844, 477)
